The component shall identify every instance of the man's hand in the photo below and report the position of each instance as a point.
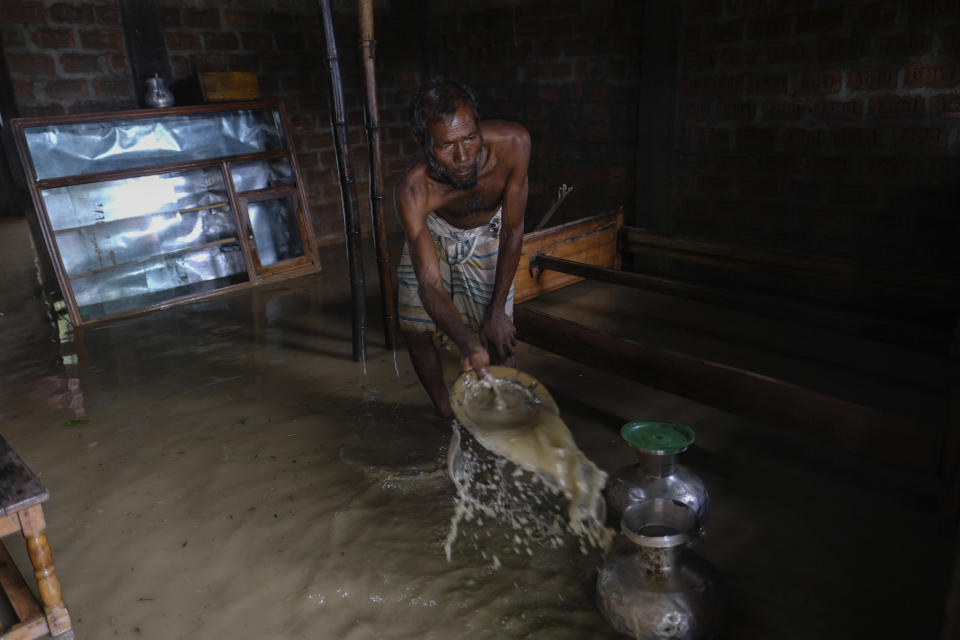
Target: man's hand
(498, 334)
(474, 357)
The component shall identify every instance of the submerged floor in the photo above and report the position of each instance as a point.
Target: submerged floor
(225, 470)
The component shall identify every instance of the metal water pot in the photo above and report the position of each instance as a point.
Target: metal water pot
(652, 586)
(157, 94)
(656, 474)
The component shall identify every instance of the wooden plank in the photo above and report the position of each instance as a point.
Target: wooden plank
(223, 86)
(9, 524)
(19, 487)
(863, 325)
(35, 628)
(795, 265)
(24, 604)
(857, 428)
(591, 241)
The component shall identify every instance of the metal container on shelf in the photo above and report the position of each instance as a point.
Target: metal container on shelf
(656, 474)
(652, 586)
(157, 95)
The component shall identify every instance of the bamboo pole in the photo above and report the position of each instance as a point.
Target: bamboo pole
(348, 187)
(371, 114)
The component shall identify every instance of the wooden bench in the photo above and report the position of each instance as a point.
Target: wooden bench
(21, 495)
(862, 358)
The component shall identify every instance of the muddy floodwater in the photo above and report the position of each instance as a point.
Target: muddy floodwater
(225, 470)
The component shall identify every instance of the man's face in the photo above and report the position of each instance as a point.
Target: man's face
(453, 148)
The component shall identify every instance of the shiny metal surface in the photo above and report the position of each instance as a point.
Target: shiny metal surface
(657, 476)
(160, 278)
(261, 174)
(652, 586)
(276, 231)
(93, 147)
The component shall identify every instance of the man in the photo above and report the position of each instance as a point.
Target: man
(461, 206)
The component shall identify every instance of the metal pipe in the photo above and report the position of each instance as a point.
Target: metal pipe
(348, 187)
(371, 115)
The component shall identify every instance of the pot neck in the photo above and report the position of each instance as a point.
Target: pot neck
(657, 464)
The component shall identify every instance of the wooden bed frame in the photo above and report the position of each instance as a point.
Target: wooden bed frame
(593, 248)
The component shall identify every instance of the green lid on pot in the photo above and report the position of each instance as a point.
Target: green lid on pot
(657, 437)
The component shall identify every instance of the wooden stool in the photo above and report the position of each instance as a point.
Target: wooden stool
(21, 493)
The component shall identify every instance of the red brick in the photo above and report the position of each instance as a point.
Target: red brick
(818, 82)
(180, 66)
(932, 75)
(696, 207)
(116, 63)
(46, 110)
(277, 21)
(257, 41)
(947, 106)
(52, 38)
(841, 49)
(689, 88)
(782, 163)
(722, 86)
(788, 53)
(896, 106)
(116, 87)
(62, 89)
(30, 64)
(919, 138)
(857, 139)
(243, 19)
(182, 41)
(769, 27)
(902, 45)
(872, 78)
(838, 110)
(212, 62)
(23, 12)
(551, 92)
(879, 15)
(79, 63)
(739, 111)
(784, 111)
(107, 15)
(72, 13)
(23, 88)
(853, 194)
(109, 39)
(722, 32)
(220, 41)
(706, 139)
(13, 38)
(596, 113)
(735, 162)
(738, 58)
(820, 21)
(713, 185)
(804, 138)
(205, 18)
(768, 83)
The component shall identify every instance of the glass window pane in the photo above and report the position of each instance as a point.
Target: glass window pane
(276, 230)
(261, 174)
(159, 279)
(93, 147)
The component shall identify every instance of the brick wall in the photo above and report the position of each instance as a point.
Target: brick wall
(569, 71)
(65, 57)
(822, 126)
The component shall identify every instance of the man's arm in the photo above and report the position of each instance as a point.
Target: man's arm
(412, 209)
(498, 332)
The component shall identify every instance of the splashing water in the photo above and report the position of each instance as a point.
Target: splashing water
(513, 460)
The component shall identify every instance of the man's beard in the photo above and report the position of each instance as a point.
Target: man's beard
(460, 184)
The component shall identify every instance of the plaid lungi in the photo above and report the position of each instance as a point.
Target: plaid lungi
(468, 265)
